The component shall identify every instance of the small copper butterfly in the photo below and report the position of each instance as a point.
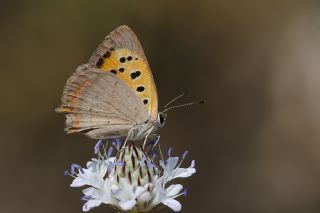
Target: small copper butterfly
(114, 94)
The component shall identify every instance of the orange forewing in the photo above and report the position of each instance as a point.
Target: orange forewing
(133, 70)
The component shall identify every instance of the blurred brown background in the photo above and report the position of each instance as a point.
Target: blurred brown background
(256, 142)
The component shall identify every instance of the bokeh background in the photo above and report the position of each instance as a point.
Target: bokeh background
(257, 140)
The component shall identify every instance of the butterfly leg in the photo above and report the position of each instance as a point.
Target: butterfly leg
(146, 138)
(125, 142)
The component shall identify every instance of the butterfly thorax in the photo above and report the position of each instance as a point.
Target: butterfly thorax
(141, 131)
(149, 128)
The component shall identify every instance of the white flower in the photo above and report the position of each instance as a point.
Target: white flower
(131, 180)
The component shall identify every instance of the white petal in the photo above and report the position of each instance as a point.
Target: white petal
(138, 191)
(88, 191)
(144, 197)
(90, 204)
(127, 205)
(172, 204)
(182, 173)
(159, 194)
(162, 164)
(78, 182)
(171, 163)
(124, 190)
(91, 165)
(173, 190)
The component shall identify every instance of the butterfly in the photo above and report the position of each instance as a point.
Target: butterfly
(114, 94)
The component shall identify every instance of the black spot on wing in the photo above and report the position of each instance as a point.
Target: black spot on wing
(106, 54)
(99, 62)
(135, 74)
(140, 89)
(122, 59)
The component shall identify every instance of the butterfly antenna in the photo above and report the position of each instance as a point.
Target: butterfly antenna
(183, 105)
(176, 98)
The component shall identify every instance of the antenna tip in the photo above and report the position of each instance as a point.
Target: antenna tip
(185, 93)
(202, 102)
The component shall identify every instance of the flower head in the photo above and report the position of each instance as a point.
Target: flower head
(131, 180)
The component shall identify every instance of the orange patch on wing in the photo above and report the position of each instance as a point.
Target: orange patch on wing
(75, 124)
(73, 104)
(135, 72)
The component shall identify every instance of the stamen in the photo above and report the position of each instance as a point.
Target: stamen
(135, 152)
(183, 157)
(66, 172)
(86, 198)
(97, 146)
(193, 163)
(151, 165)
(76, 166)
(185, 154)
(117, 143)
(120, 163)
(154, 155)
(104, 147)
(160, 151)
(150, 143)
(169, 152)
(109, 153)
(185, 192)
(142, 161)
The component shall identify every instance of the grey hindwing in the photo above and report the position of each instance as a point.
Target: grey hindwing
(100, 104)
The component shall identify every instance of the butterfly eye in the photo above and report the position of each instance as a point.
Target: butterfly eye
(161, 119)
